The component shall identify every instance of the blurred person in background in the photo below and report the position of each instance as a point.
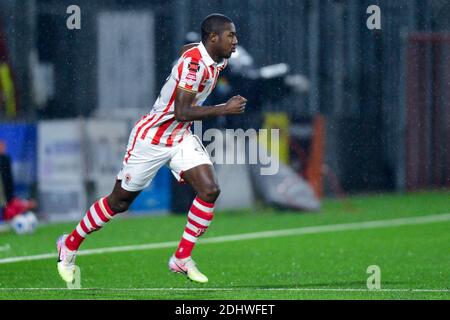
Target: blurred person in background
(10, 205)
(260, 85)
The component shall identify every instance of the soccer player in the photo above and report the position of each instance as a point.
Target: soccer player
(163, 137)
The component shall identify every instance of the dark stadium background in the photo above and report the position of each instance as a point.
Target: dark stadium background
(357, 75)
(383, 97)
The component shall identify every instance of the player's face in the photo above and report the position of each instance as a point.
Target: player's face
(227, 41)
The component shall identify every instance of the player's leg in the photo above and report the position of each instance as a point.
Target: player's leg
(204, 181)
(193, 165)
(100, 213)
(141, 163)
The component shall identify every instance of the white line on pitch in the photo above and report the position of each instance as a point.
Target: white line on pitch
(231, 289)
(254, 235)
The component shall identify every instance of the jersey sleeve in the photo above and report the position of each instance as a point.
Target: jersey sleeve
(191, 74)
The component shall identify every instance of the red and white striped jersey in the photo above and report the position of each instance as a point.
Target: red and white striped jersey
(195, 71)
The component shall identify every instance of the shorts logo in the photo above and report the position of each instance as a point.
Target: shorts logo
(127, 178)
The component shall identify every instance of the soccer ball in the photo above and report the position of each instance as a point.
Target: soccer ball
(24, 223)
(32, 221)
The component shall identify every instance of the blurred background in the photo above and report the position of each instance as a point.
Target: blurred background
(359, 110)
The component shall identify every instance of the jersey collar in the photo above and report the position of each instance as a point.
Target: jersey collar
(206, 57)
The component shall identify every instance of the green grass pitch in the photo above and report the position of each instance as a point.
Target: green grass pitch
(325, 263)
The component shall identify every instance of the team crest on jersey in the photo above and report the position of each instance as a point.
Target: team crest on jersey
(127, 178)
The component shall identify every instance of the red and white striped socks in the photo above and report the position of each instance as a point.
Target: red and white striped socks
(199, 218)
(95, 218)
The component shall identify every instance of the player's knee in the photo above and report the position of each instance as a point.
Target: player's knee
(210, 192)
(118, 206)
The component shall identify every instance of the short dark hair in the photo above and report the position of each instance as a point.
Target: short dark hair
(213, 23)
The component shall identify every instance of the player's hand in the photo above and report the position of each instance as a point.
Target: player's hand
(236, 105)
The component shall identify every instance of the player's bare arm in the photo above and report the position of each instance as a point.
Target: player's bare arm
(185, 111)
